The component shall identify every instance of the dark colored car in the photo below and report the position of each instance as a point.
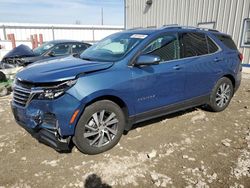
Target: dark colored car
(22, 55)
(126, 78)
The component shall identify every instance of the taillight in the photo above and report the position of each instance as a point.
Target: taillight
(240, 57)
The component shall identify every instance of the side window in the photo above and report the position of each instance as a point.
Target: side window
(78, 48)
(227, 41)
(61, 49)
(166, 47)
(193, 44)
(212, 47)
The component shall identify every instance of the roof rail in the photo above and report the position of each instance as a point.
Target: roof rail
(207, 29)
(175, 26)
(214, 30)
(169, 25)
(189, 27)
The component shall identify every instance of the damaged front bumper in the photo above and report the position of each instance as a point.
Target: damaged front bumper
(49, 137)
(48, 120)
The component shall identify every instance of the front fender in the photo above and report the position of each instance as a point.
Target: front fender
(108, 93)
(104, 94)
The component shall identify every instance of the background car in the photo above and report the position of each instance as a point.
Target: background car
(22, 55)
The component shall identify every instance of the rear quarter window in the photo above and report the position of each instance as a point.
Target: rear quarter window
(212, 47)
(227, 41)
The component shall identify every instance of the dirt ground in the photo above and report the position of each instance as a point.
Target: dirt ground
(194, 148)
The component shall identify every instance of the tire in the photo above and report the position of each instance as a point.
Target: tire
(221, 95)
(93, 136)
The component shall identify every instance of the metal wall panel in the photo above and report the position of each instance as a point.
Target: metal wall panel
(228, 15)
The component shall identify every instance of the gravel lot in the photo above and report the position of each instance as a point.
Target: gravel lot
(193, 148)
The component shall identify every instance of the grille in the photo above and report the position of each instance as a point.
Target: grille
(21, 95)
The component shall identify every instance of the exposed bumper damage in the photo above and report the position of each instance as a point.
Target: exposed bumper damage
(47, 121)
(49, 137)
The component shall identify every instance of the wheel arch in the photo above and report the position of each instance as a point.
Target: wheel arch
(230, 77)
(117, 100)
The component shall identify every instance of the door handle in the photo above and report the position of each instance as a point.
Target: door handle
(176, 67)
(217, 59)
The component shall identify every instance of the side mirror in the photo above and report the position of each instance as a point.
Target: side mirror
(51, 53)
(148, 60)
(77, 55)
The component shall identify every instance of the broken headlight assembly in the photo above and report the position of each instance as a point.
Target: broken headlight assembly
(53, 92)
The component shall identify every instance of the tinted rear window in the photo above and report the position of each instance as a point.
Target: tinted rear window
(227, 41)
(212, 47)
(194, 44)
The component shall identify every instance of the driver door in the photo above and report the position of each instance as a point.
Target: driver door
(157, 86)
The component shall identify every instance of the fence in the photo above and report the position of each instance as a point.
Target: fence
(23, 32)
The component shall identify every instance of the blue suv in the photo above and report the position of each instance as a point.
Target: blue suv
(126, 78)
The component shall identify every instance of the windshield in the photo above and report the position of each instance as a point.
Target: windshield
(113, 47)
(43, 48)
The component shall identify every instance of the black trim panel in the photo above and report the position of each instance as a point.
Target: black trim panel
(167, 110)
(48, 138)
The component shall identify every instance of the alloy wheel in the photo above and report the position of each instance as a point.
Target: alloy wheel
(101, 128)
(223, 95)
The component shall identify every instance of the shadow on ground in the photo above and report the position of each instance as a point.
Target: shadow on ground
(94, 181)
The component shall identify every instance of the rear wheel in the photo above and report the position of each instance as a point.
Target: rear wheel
(221, 95)
(99, 128)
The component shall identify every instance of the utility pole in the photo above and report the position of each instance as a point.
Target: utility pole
(101, 16)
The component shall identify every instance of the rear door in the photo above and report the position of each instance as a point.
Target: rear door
(231, 54)
(202, 59)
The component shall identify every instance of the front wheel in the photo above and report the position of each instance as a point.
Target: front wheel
(221, 95)
(99, 128)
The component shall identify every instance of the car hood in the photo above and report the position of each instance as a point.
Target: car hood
(20, 51)
(60, 69)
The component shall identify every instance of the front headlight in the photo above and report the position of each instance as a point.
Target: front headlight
(54, 92)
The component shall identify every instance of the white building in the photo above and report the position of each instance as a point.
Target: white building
(228, 16)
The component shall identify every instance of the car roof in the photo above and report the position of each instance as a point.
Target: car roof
(146, 31)
(149, 31)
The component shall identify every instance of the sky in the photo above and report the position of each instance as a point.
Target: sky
(87, 12)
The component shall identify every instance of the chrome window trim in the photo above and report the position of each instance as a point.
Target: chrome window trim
(186, 58)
